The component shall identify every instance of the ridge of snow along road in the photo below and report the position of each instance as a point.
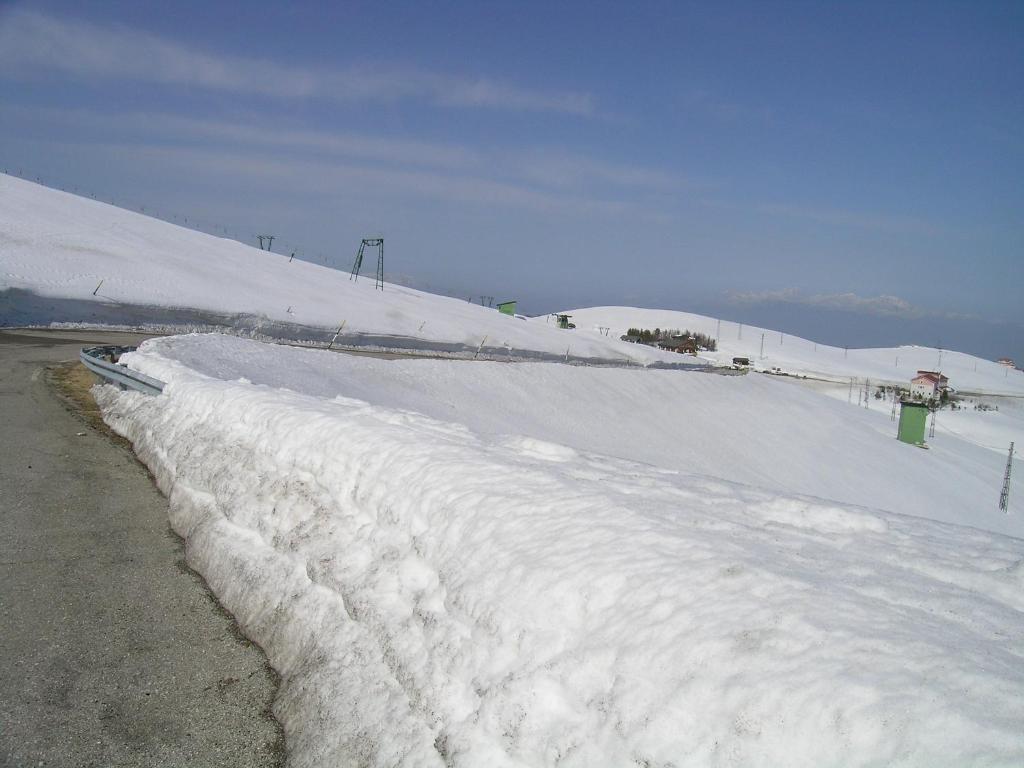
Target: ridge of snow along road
(436, 596)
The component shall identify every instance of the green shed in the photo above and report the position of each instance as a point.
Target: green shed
(507, 307)
(913, 420)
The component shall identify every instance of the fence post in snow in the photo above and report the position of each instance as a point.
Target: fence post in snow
(338, 333)
(480, 347)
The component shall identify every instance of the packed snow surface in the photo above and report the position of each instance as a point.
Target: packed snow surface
(57, 245)
(754, 429)
(441, 583)
(896, 365)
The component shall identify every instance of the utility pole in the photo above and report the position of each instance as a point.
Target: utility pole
(1004, 496)
(931, 429)
(762, 346)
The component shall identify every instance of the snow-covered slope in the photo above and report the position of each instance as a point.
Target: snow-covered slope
(60, 247)
(439, 587)
(756, 430)
(802, 356)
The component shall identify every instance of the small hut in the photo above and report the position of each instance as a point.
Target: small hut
(913, 420)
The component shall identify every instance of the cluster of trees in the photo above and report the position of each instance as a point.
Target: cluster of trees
(646, 336)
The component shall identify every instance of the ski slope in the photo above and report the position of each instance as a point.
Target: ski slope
(69, 258)
(466, 564)
(756, 430)
(894, 365)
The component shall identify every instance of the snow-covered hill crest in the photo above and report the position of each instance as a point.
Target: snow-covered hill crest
(72, 259)
(894, 365)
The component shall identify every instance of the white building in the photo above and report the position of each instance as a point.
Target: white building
(928, 385)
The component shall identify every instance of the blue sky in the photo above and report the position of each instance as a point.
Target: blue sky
(852, 170)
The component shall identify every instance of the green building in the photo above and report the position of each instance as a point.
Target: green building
(913, 420)
(507, 307)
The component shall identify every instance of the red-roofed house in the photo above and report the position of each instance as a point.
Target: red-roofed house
(928, 384)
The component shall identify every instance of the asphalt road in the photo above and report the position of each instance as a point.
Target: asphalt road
(112, 652)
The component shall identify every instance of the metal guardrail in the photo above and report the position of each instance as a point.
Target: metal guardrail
(103, 362)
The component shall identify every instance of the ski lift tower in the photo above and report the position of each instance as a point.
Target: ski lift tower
(1004, 496)
(370, 242)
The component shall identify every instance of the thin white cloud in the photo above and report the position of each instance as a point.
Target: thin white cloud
(151, 126)
(336, 179)
(855, 219)
(884, 305)
(555, 168)
(549, 170)
(31, 42)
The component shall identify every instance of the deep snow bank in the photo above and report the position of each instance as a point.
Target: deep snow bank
(433, 596)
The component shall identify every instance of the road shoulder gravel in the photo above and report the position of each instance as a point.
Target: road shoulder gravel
(115, 652)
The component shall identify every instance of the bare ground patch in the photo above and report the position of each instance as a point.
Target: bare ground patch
(72, 382)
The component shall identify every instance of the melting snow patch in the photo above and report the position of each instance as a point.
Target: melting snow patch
(819, 516)
(540, 449)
